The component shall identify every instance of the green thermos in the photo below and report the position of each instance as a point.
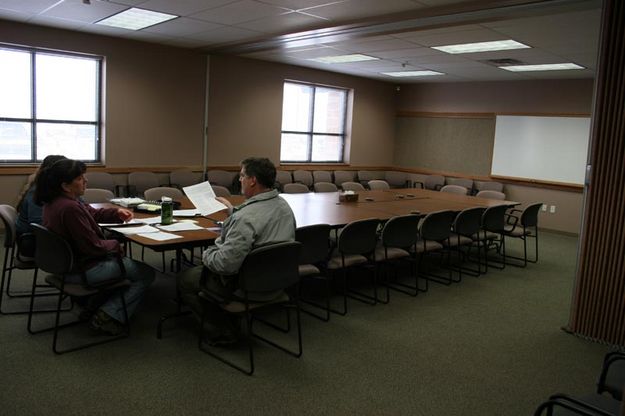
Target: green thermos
(167, 211)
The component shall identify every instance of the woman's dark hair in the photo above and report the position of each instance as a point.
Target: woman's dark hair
(47, 161)
(49, 180)
(262, 169)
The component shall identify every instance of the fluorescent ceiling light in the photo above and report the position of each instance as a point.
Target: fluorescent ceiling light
(542, 67)
(135, 19)
(498, 45)
(341, 59)
(412, 73)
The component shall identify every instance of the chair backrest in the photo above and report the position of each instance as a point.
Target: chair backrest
(140, 181)
(494, 218)
(491, 195)
(184, 177)
(365, 176)
(352, 186)
(359, 237)
(467, 183)
(396, 179)
(314, 239)
(296, 188)
(488, 186)
(100, 180)
(436, 226)
(270, 268)
(378, 184)
(325, 187)
(434, 182)
(455, 189)
(400, 231)
(155, 194)
(221, 190)
(283, 177)
(221, 177)
(8, 215)
(529, 216)
(303, 176)
(322, 176)
(468, 221)
(54, 254)
(96, 195)
(341, 176)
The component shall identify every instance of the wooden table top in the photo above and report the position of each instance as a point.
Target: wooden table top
(324, 208)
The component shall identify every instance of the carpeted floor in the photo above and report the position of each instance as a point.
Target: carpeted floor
(486, 346)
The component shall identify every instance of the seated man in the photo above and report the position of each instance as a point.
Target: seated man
(264, 218)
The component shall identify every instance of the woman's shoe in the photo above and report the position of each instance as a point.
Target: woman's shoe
(102, 323)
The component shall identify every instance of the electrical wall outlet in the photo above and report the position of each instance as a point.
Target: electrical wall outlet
(552, 209)
(544, 207)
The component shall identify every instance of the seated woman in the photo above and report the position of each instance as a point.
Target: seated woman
(29, 212)
(58, 189)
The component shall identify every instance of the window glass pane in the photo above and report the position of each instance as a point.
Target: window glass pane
(15, 141)
(296, 107)
(15, 84)
(66, 88)
(327, 148)
(76, 141)
(329, 110)
(294, 147)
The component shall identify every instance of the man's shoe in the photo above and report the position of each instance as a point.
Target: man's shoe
(102, 323)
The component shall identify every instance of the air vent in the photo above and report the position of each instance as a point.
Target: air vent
(503, 62)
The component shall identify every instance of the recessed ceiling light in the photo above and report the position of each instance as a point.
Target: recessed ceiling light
(135, 19)
(542, 67)
(341, 59)
(498, 45)
(412, 73)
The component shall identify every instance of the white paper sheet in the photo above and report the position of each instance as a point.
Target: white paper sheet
(160, 236)
(150, 220)
(186, 212)
(181, 226)
(203, 197)
(135, 230)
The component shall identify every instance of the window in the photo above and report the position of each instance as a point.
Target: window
(313, 123)
(49, 104)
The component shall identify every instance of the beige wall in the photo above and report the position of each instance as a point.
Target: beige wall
(521, 97)
(154, 98)
(245, 111)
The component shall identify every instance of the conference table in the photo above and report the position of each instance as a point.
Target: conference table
(321, 208)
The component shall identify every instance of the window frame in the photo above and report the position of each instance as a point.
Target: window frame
(310, 133)
(33, 120)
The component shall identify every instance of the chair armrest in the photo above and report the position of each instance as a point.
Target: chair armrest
(438, 187)
(573, 404)
(119, 188)
(414, 184)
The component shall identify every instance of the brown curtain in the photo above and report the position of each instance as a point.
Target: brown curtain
(598, 308)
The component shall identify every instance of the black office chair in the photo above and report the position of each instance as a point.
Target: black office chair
(612, 378)
(356, 247)
(14, 259)
(54, 255)
(524, 225)
(466, 234)
(493, 235)
(313, 259)
(271, 268)
(398, 242)
(435, 234)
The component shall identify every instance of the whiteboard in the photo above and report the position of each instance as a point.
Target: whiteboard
(542, 148)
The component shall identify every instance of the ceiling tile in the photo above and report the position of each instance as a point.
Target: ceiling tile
(30, 6)
(181, 26)
(373, 46)
(224, 34)
(356, 9)
(300, 4)
(88, 13)
(56, 22)
(239, 12)
(284, 23)
(182, 7)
